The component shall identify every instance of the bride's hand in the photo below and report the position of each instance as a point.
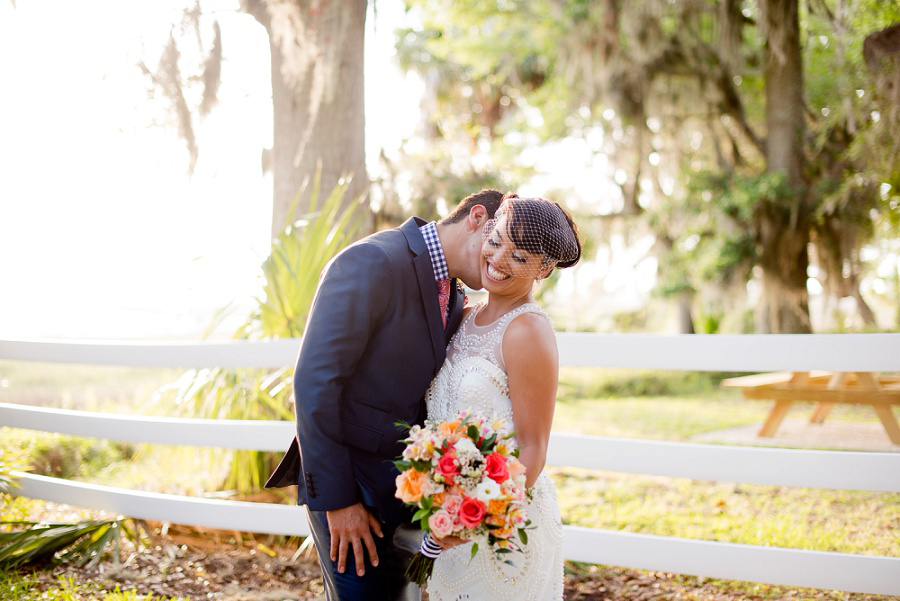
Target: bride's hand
(448, 542)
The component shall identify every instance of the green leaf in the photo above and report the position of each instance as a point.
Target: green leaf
(422, 514)
(421, 465)
(474, 550)
(523, 536)
(40, 542)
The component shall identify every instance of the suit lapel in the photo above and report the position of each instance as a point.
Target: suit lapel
(427, 289)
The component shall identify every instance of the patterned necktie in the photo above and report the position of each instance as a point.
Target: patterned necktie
(443, 287)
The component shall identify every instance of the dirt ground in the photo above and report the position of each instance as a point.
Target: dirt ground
(213, 565)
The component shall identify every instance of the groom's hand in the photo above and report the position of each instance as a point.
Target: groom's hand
(353, 525)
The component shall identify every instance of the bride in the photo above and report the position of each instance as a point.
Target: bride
(503, 362)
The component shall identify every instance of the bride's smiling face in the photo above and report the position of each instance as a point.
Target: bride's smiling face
(505, 266)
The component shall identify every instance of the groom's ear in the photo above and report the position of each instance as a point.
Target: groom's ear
(476, 219)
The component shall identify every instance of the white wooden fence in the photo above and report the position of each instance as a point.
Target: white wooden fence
(783, 467)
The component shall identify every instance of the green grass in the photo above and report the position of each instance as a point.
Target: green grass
(631, 404)
(642, 404)
(175, 470)
(821, 520)
(663, 405)
(86, 387)
(655, 417)
(28, 586)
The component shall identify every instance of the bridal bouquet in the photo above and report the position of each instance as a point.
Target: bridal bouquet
(465, 480)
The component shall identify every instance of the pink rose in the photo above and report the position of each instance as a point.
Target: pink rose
(472, 512)
(495, 467)
(516, 468)
(452, 503)
(448, 468)
(441, 523)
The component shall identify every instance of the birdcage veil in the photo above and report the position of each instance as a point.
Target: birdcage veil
(541, 228)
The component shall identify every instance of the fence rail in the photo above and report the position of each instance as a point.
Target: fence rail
(789, 567)
(817, 469)
(782, 352)
(838, 470)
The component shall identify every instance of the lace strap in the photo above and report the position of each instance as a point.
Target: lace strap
(526, 308)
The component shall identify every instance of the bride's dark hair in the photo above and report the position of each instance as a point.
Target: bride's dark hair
(543, 228)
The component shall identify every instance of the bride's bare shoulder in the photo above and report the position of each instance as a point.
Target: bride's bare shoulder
(532, 334)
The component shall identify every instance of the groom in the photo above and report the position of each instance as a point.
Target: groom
(376, 336)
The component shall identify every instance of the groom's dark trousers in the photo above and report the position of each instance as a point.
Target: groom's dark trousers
(373, 342)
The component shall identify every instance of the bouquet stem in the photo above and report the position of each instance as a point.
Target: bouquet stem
(422, 564)
(420, 569)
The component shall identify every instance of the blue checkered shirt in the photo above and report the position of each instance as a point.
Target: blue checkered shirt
(429, 232)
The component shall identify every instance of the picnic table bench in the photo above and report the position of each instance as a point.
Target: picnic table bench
(824, 388)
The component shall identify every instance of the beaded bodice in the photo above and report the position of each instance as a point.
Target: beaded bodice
(474, 374)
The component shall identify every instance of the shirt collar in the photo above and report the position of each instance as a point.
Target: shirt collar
(438, 261)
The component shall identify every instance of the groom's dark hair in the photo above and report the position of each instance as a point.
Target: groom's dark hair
(489, 198)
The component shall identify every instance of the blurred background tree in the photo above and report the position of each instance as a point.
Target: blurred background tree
(317, 91)
(750, 141)
(733, 130)
(753, 141)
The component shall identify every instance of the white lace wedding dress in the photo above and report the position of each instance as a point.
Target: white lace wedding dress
(474, 376)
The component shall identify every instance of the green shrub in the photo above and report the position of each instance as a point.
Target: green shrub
(68, 457)
(596, 383)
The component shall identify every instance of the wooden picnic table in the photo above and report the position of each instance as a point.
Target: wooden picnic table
(824, 388)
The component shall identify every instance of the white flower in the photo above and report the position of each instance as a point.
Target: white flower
(465, 446)
(488, 491)
(432, 487)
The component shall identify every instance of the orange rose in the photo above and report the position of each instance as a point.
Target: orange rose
(496, 520)
(439, 499)
(505, 533)
(409, 486)
(497, 506)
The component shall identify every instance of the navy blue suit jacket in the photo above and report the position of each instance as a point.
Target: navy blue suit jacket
(373, 342)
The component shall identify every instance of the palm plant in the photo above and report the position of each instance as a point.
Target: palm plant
(9, 462)
(26, 542)
(79, 544)
(291, 274)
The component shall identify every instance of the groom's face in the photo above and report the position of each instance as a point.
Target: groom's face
(470, 253)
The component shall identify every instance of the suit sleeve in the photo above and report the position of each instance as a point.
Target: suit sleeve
(351, 301)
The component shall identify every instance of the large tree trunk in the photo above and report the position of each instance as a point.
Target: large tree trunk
(685, 302)
(783, 223)
(317, 93)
